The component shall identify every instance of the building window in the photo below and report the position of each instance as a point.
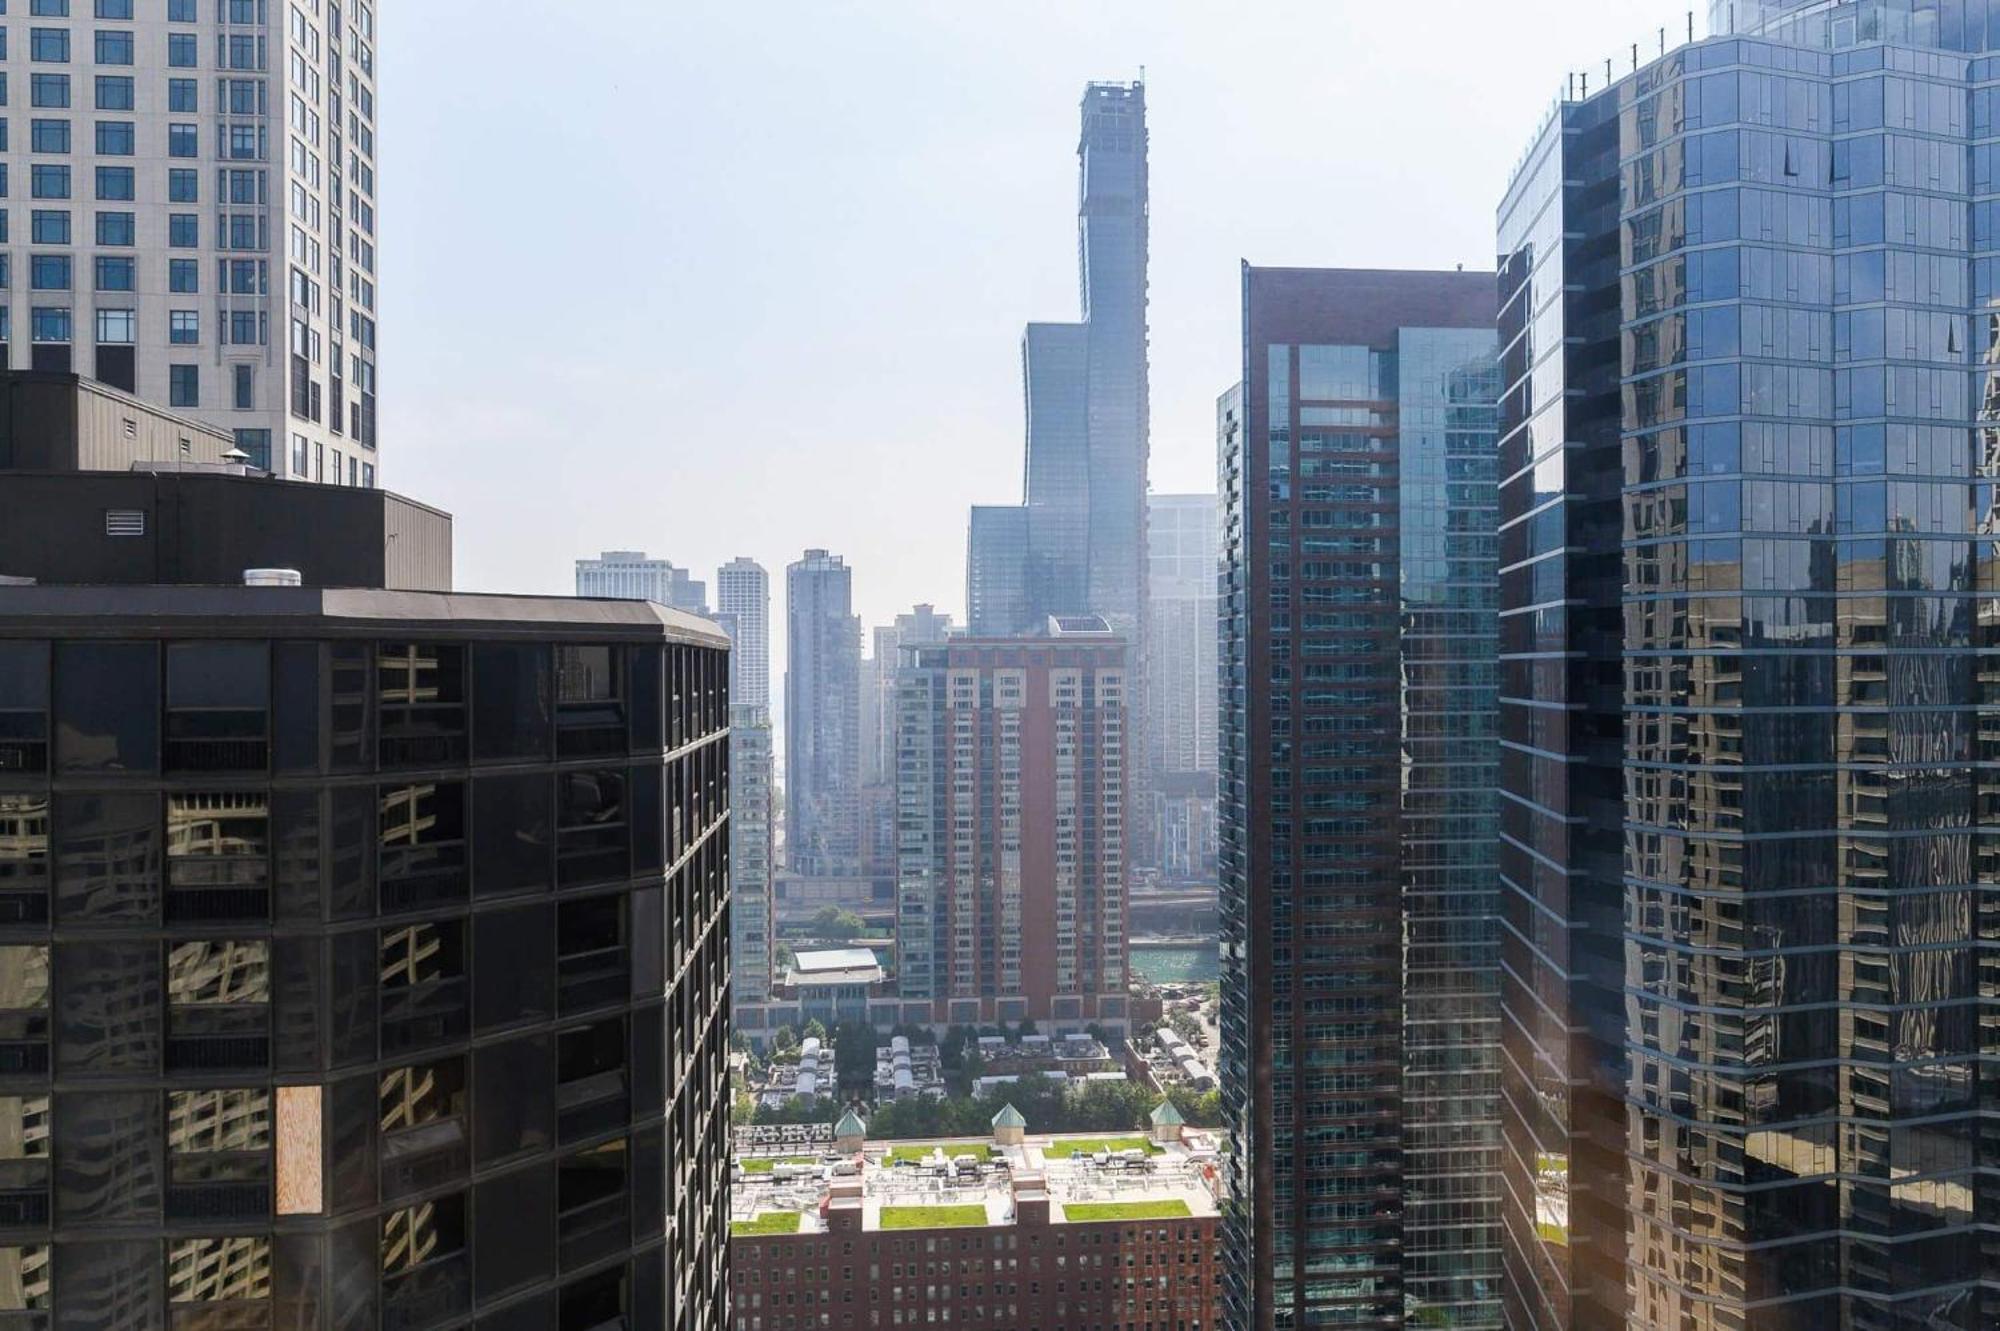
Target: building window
(183, 385)
(117, 272)
(114, 48)
(243, 52)
(49, 45)
(49, 226)
(182, 97)
(243, 276)
(181, 50)
(299, 455)
(48, 136)
(257, 443)
(243, 231)
(50, 323)
(50, 90)
(180, 11)
(115, 138)
(183, 185)
(243, 143)
(183, 141)
(48, 8)
(50, 181)
(246, 328)
(117, 9)
(184, 326)
(184, 230)
(183, 275)
(117, 228)
(49, 272)
(114, 182)
(244, 376)
(114, 92)
(117, 328)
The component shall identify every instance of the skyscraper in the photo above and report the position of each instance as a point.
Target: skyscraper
(1011, 900)
(743, 607)
(202, 227)
(1359, 1060)
(362, 954)
(1181, 627)
(822, 719)
(1079, 548)
(752, 854)
(1751, 435)
(628, 575)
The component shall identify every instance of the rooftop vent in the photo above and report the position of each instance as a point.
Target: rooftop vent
(124, 522)
(272, 577)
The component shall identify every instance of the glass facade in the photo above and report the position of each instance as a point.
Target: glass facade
(1745, 845)
(822, 719)
(1358, 1020)
(368, 976)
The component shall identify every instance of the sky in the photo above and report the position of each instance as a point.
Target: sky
(711, 278)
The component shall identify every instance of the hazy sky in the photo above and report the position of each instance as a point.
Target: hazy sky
(721, 277)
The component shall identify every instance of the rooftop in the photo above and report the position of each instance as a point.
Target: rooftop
(839, 965)
(958, 1184)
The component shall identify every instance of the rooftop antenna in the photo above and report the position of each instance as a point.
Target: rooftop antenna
(1635, 57)
(1690, 25)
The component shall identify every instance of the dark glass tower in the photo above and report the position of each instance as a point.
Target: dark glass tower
(1749, 450)
(1359, 1060)
(822, 718)
(363, 952)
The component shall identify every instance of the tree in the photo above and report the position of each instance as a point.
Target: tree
(854, 1056)
(815, 1031)
(833, 922)
(1201, 1109)
(783, 1039)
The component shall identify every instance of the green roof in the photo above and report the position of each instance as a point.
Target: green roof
(850, 1125)
(1009, 1117)
(1166, 1116)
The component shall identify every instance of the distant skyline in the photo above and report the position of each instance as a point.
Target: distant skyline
(730, 280)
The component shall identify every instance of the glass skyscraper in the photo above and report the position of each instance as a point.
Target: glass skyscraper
(1749, 446)
(1359, 1060)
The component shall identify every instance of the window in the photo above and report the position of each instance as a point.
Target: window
(219, 997)
(183, 141)
(50, 323)
(180, 11)
(51, 90)
(218, 706)
(117, 272)
(243, 231)
(591, 841)
(49, 136)
(184, 326)
(115, 182)
(50, 226)
(49, 45)
(114, 47)
(50, 182)
(257, 443)
(182, 96)
(49, 272)
(218, 853)
(244, 377)
(183, 385)
(114, 92)
(48, 8)
(183, 230)
(183, 185)
(117, 328)
(183, 275)
(24, 743)
(181, 52)
(246, 328)
(116, 228)
(219, 1152)
(114, 9)
(107, 712)
(243, 143)
(243, 52)
(114, 138)
(243, 276)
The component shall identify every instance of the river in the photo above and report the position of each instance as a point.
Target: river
(1171, 963)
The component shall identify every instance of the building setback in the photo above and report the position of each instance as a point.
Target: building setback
(1748, 450)
(1011, 883)
(203, 225)
(630, 576)
(1359, 1059)
(822, 719)
(362, 951)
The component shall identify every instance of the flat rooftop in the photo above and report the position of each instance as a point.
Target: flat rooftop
(840, 965)
(925, 1189)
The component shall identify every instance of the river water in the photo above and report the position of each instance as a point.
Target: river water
(1171, 963)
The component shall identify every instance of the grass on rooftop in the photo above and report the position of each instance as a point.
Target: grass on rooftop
(921, 1152)
(932, 1217)
(770, 1222)
(1063, 1150)
(1172, 1208)
(764, 1164)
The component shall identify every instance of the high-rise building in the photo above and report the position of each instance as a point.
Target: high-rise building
(202, 227)
(1360, 1050)
(1752, 426)
(752, 853)
(1079, 548)
(1011, 887)
(743, 608)
(362, 956)
(822, 719)
(878, 736)
(1181, 627)
(628, 575)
